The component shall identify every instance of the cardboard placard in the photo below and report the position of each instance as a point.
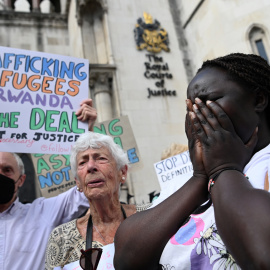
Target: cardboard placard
(121, 131)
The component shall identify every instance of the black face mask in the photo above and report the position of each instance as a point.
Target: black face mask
(7, 188)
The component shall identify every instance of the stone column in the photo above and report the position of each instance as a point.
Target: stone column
(108, 38)
(99, 81)
(7, 4)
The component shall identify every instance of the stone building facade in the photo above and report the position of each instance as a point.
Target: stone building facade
(129, 77)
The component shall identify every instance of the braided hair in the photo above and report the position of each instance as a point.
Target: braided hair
(249, 70)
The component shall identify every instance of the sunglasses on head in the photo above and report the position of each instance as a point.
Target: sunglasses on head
(90, 258)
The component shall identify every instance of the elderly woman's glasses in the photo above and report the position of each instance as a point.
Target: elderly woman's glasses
(90, 258)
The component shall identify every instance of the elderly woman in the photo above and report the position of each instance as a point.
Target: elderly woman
(228, 129)
(100, 166)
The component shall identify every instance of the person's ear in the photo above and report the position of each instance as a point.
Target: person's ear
(261, 101)
(78, 184)
(21, 180)
(124, 174)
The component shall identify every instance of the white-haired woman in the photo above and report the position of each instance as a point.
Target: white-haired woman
(100, 166)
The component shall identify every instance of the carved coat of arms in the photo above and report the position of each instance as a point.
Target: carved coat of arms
(150, 36)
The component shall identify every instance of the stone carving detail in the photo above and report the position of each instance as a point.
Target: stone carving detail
(100, 81)
(91, 5)
(149, 35)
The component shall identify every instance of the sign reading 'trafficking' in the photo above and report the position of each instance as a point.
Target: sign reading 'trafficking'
(39, 94)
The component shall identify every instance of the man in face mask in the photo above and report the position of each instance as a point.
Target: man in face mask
(11, 178)
(25, 228)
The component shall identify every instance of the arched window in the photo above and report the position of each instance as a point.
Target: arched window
(43, 6)
(259, 42)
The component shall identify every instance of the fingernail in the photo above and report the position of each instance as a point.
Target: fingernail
(195, 107)
(197, 100)
(208, 102)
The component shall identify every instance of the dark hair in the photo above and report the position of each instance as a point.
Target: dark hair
(249, 70)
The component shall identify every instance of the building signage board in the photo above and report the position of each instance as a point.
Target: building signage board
(150, 36)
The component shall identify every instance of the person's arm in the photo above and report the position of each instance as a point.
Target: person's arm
(242, 212)
(141, 238)
(243, 219)
(62, 208)
(52, 253)
(72, 203)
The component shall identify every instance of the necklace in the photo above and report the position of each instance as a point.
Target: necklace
(100, 234)
(89, 230)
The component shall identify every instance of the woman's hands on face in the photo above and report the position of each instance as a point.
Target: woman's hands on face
(220, 145)
(194, 145)
(87, 113)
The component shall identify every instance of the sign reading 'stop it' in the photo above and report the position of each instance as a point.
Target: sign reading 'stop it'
(39, 94)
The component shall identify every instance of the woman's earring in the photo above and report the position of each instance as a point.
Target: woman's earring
(123, 178)
(78, 189)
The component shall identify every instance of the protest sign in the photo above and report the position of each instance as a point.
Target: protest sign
(39, 95)
(53, 171)
(172, 173)
(53, 174)
(174, 170)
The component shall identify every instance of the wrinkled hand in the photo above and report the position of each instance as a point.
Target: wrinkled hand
(87, 113)
(221, 146)
(194, 145)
